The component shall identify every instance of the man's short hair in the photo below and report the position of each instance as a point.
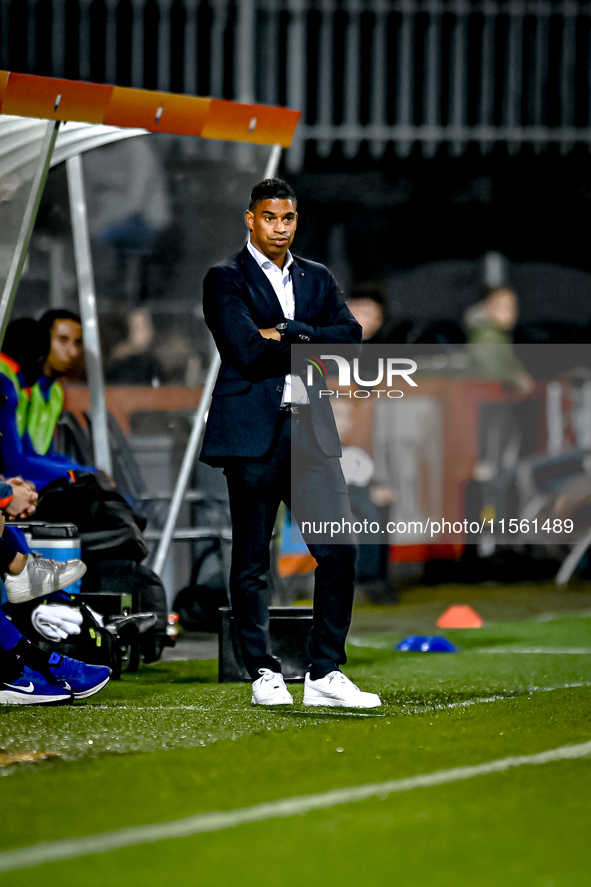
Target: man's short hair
(50, 317)
(271, 189)
(26, 341)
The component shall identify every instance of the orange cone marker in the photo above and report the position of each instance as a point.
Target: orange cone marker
(460, 616)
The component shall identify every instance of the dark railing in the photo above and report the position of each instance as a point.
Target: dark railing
(375, 71)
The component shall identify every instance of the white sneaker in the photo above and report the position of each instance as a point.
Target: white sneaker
(42, 576)
(336, 689)
(270, 689)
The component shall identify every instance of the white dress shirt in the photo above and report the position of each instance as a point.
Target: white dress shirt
(294, 390)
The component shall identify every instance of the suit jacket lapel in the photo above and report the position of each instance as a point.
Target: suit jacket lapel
(264, 292)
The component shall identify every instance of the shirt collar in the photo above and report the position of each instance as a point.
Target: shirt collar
(262, 260)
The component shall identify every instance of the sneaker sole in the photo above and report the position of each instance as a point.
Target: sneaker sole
(11, 697)
(84, 694)
(255, 702)
(20, 597)
(337, 703)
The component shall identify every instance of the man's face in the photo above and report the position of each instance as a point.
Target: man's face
(65, 346)
(272, 225)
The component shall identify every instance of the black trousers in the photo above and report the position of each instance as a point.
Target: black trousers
(313, 488)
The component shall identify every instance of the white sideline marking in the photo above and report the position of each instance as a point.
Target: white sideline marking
(70, 848)
(557, 651)
(240, 711)
(407, 707)
(561, 687)
(478, 700)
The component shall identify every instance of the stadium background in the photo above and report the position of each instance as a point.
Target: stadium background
(437, 140)
(442, 142)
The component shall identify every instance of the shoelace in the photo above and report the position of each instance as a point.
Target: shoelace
(41, 561)
(343, 679)
(268, 675)
(67, 667)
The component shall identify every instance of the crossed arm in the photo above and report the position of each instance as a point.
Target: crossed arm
(271, 333)
(260, 353)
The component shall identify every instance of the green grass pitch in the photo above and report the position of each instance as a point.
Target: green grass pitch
(170, 742)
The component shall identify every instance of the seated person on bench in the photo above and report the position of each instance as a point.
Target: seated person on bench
(26, 347)
(29, 675)
(26, 574)
(64, 330)
(25, 350)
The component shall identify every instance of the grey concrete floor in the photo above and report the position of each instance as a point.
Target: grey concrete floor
(193, 645)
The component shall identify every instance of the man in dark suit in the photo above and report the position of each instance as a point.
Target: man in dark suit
(257, 304)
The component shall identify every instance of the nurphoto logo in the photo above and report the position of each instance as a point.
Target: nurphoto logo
(388, 370)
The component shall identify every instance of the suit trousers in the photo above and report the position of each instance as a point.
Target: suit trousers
(313, 488)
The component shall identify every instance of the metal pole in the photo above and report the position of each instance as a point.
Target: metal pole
(190, 49)
(352, 75)
(186, 467)
(295, 69)
(405, 76)
(137, 44)
(554, 419)
(163, 63)
(111, 42)
(244, 55)
(88, 313)
(272, 162)
(22, 244)
(217, 60)
(570, 563)
(197, 429)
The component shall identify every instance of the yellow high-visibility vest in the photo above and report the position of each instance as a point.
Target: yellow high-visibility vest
(43, 416)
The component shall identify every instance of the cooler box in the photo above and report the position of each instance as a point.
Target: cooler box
(60, 542)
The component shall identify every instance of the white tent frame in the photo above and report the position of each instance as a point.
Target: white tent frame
(66, 142)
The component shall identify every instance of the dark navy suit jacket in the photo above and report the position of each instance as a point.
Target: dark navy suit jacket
(238, 300)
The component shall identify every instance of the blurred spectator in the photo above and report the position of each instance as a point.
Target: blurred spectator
(130, 359)
(369, 306)
(179, 362)
(126, 192)
(489, 326)
(128, 210)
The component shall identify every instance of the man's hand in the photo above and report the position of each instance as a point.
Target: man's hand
(25, 498)
(271, 333)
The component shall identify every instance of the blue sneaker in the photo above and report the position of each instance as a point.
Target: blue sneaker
(83, 680)
(31, 688)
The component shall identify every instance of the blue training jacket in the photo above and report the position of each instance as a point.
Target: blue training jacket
(18, 456)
